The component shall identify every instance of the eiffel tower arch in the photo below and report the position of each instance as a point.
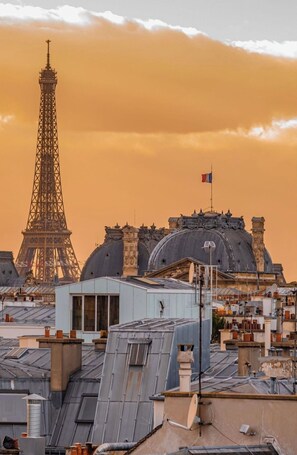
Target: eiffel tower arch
(46, 248)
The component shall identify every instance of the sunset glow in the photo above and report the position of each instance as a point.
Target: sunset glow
(144, 108)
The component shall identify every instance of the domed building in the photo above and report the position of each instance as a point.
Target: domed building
(238, 256)
(125, 251)
(241, 258)
(235, 249)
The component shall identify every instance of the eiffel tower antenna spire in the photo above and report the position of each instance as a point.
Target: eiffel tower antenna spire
(46, 248)
(48, 65)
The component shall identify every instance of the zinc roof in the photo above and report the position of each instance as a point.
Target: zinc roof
(42, 314)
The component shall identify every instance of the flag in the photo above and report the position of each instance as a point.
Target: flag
(207, 178)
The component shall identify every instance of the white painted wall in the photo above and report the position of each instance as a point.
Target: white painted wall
(136, 302)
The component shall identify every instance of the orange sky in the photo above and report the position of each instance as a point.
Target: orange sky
(141, 115)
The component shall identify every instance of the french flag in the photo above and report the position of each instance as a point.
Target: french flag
(207, 178)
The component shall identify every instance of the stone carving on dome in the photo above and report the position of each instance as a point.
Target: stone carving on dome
(150, 236)
(210, 220)
(113, 233)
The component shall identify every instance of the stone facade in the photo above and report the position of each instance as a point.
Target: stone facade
(258, 242)
(130, 239)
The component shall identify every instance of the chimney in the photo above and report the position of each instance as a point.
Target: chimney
(130, 260)
(66, 358)
(258, 242)
(185, 358)
(100, 343)
(31, 443)
(267, 336)
(249, 354)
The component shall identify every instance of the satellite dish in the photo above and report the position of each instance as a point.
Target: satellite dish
(192, 412)
(191, 272)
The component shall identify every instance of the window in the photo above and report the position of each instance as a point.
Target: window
(87, 409)
(77, 312)
(114, 309)
(89, 313)
(92, 313)
(16, 353)
(102, 312)
(138, 351)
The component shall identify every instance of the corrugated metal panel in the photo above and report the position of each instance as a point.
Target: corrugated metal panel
(43, 314)
(128, 422)
(125, 389)
(113, 422)
(144, 420)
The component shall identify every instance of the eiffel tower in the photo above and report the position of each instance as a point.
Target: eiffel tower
(46, 250)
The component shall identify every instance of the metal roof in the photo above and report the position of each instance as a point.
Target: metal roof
(158, 283)
(40, 289)
(124, 410)
(222, 376)
(107, 260)
(8, 272)
(153, 324)
(31, 374)
(42, 314)
(233, 251)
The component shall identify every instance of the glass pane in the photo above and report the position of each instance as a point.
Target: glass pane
(114, 308)
(102, 312)
(87, 409)
(76, 312)
(89, 313)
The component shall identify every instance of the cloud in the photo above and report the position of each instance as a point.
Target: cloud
(285, 49)
(130, 79)
(142, 112)
(272, 131)
(81, 16)
(5, 119)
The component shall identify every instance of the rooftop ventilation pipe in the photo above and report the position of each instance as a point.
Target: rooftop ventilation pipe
(114, 447)
(279, 313)
(267, 336)
(185, 358)
(33, 415)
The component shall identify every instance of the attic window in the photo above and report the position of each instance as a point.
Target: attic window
(16, 353)
(138, 351)
(87, 409)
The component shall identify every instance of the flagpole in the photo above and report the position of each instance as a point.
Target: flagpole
(211, 190)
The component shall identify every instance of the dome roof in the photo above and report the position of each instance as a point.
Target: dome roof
(107, 260)
(8, 272)
(233, 252)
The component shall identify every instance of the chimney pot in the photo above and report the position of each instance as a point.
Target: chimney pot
(185, 358)
(78, 448)
(72, 333)
(100, 344)
(47, 332)
(59, 334)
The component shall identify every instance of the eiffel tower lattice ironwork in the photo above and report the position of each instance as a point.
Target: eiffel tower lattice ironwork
(46, 249)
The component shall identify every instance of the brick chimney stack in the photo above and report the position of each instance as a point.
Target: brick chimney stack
(258, 242)
(66, 358)
(130, 260)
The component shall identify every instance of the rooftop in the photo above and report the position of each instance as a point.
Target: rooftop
(42, 314)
